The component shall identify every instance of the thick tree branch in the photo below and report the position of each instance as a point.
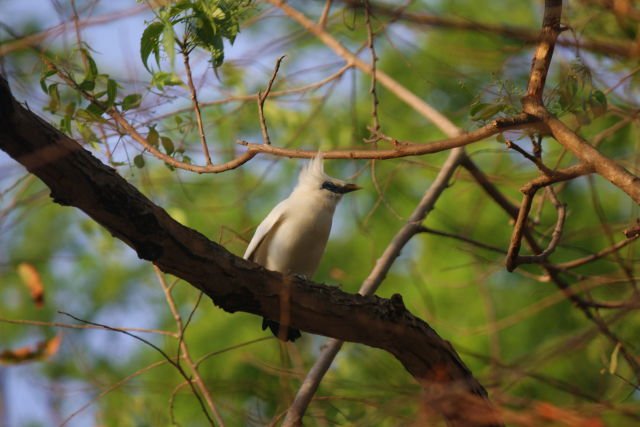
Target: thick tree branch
(78, 179)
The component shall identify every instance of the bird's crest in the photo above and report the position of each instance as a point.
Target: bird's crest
(313, 172)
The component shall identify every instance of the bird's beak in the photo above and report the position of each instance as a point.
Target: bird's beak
(348, 188)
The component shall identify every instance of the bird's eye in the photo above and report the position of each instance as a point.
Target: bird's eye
(328, 185)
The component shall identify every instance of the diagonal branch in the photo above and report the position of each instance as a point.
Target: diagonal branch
(78, 179)
(194, 100)
(261, 99)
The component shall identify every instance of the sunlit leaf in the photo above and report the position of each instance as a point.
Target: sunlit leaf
(32, 280)
(40, 351)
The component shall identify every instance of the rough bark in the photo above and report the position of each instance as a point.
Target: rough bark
(76, 178)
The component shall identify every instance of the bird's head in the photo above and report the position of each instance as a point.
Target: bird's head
(313, 178)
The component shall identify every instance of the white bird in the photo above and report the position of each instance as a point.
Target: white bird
(292, 238)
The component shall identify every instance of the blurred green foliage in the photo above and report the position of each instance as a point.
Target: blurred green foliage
(519, 336)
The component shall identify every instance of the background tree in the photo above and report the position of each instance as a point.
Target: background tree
(526, 263)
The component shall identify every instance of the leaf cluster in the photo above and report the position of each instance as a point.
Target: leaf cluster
(188, 24)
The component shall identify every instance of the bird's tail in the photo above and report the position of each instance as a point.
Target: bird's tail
(291, 334)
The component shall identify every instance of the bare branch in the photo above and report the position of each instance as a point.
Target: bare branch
(374, 60)
(601, 254)
(403, 148)
(262, 97)
(462, 239)
(544, 51)
(184, 349)
(194, 101)
(518, 231)
(322, 22)
(555, 235)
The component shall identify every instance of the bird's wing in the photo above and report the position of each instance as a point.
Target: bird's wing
(268, 225)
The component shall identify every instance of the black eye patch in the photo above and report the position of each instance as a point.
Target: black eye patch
(328, 185)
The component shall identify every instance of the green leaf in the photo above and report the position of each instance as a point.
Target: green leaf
(65, 124)
(150, 43)
(112, 91)
(477, 107)
(162, 79)
(70, 109)
(152, 136)
(486, 111)
(87, 85)
(217, 53)
(131, 101)
(54, 98)
(167, 144)
(43, 80)
(613, 362)
(600, 97)
(92, 68)
(168, 42)
(138, 161)
(95, 109)
(598, 103)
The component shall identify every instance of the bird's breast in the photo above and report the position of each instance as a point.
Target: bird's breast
(299, 242)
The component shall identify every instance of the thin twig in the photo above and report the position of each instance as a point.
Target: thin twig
(76, 26)
(555, 235)
(374, 61)
(600, 254)
(72, 326)
(518, 231)
(173, 363)
(535, 159)
(110, 389)
(322, 22)
(261, 98)
(428, 230)
(183, 348)
(194, 100)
